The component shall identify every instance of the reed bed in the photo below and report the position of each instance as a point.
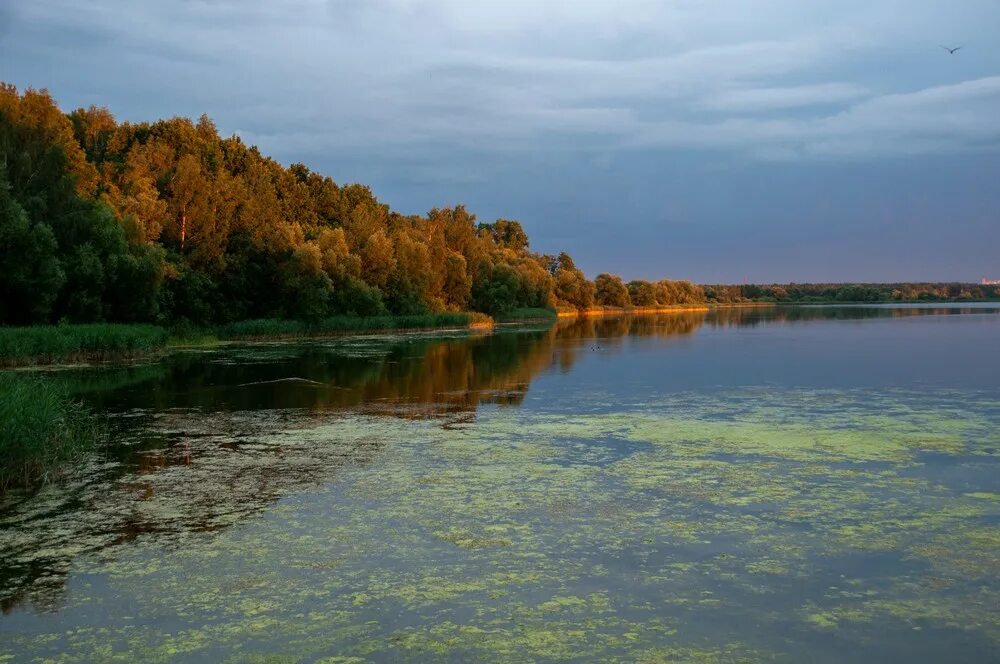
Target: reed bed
(42, 430)
(42, 344)
(527, 314)
(274, 328)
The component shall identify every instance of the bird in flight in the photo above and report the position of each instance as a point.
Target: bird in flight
(951, 50)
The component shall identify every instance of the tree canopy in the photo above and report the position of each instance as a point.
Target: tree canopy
(169, 221)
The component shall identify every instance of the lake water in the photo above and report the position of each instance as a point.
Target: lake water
(795, 484)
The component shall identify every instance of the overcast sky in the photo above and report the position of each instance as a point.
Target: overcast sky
(732, 140)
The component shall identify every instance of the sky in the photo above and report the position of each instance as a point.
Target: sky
(723, 141)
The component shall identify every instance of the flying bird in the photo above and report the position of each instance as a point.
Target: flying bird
(951, 50)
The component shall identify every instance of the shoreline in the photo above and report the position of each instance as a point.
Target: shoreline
(640, 311)
(476, 323)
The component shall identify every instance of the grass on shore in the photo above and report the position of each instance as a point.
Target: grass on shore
(41, 430)
(264, 328)
(527, 313)
(50, 343)
(44, 344)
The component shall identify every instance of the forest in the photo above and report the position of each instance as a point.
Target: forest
(169, 223)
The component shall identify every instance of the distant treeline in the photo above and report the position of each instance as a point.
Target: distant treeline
(169, 223)
(899, 292)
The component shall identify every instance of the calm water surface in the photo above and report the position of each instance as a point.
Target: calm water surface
(795, 484)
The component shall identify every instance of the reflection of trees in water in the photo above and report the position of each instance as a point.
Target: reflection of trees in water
(202, 437)
(753, 316)
(399, 374)
(643, 325)
(190, 473)
(581, 334)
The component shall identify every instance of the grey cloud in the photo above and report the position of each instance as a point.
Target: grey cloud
(405, 72)
(768, 99)
(438, 99)
(951, 118)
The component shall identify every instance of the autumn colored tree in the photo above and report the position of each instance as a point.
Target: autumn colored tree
(642, 293)
(571, 286)
(610, 290)
(168, 221)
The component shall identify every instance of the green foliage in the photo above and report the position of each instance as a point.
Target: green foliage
(189, 296)
(506, 233)
(32, 275)
(527, 313)
(669, 293)
(70, 248)
(51, 343)
(354, 297)
(642, 293)
(169, 223)
(496, 292)
(610, 291)
(405, 300)
(185, 333)
(270, 328)
(261, 328)
(571, 288)
(41, 429)
(307, 288)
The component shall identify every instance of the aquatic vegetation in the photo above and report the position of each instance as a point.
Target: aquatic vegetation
(58, 343)
(718, 525)
(41, 430)
(527, 313)
(272, 328)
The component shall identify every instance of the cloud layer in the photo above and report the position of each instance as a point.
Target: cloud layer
(442, 95)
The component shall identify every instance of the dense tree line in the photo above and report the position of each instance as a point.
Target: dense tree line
(611, 291)
(893, 292)
(168, 221)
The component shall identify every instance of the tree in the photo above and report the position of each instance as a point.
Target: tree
(306, 288)
(611, 291)
(167, 221)
(31, 273)
(496, 292)
(378, 259)
(354, 297)
(457, 282)
(188, 197)
(571, 286)
(642, 293)
(338, 261)
(508, 234)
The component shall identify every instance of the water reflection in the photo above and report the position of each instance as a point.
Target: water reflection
(204, 439)
(753, 316)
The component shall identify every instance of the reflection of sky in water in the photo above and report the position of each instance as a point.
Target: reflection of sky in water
(669, 490)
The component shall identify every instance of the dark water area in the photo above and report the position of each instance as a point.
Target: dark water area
(750, 484)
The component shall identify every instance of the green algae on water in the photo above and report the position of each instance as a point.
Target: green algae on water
(652, 533)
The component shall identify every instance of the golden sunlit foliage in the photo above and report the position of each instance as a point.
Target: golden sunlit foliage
(169, 222)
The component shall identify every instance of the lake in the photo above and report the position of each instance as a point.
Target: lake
(782, 484)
